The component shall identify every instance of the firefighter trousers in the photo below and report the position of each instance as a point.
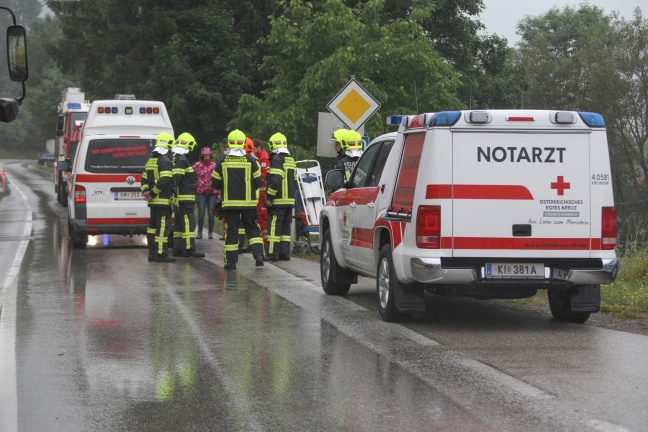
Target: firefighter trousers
(279, 220)
(248, 217)
(184, 236)
(157, 233)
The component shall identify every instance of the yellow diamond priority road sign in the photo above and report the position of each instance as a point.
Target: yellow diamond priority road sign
(353, 105)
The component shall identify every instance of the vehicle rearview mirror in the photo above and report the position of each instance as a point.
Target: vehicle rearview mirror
(334, 179)
(63, 166)
(17, 53)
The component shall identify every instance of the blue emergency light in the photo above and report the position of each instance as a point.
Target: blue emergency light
(74, 105)
(394, 120)
(592, 119)
(445, 118)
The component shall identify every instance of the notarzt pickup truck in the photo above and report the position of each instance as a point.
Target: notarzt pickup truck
(483, 204)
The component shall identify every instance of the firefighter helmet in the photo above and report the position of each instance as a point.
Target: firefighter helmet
(354, 144)
(163, 142)
(186, 141)
(340, 136)
(249, 146)
(278, 141)
(236, 139)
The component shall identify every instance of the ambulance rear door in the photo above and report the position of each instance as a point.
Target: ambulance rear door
(521, 193)
(112, 178)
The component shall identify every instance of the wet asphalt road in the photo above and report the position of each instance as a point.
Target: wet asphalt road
(99, 339)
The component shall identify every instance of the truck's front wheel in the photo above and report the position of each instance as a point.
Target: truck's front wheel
(560, 305)
(329, 268)
(386, 283)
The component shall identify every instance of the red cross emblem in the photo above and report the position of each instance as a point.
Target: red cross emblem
(560, 185)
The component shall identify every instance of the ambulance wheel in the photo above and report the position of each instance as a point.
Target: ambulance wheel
(386, 283)
(560, 305)
(329, 267)
(64, 195)
(78, 240)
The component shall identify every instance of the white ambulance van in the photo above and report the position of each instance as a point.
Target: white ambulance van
(485, 204)
(103, 187)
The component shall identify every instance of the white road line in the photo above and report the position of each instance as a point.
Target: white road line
(507, 380)
(8, 298)
(603, 426)
(416, 337)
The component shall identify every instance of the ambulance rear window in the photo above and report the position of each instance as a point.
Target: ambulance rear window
(118, 155)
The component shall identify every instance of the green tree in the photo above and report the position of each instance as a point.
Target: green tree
(629, 128)
(313, 53)
(201, 74)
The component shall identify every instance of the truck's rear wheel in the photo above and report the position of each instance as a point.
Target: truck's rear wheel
(329, 267)
(560, 305)
(386, 283)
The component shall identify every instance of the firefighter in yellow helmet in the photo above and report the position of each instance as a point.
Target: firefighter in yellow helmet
(352, 147)
(158, 188)
(238, 176)
(280, 198)
(184, 236)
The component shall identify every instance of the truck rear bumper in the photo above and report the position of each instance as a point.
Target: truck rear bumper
(431, 271)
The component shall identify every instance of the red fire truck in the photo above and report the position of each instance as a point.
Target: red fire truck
(72, 112)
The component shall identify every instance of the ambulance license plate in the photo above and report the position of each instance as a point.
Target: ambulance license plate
(128, 196)
(514, 270)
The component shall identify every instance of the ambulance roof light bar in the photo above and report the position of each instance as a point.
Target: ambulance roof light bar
(445, 118)
(592, 119)
(565, 118)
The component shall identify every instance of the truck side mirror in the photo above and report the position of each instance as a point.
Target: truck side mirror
(17, 53)
(60, 125)
(63, 166)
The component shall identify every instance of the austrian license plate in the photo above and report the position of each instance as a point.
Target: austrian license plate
(514, 270)
(128, 196)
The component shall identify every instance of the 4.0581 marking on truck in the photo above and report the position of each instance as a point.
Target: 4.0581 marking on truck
(521, 154)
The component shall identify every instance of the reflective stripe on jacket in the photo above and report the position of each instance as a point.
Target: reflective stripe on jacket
(157, 179)
(282, 180)
(238, 177)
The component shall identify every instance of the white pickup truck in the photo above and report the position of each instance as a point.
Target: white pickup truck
(485, 204)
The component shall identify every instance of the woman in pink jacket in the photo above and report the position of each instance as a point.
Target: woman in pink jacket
(204, 191)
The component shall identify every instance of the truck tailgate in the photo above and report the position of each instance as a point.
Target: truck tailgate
(518, 193)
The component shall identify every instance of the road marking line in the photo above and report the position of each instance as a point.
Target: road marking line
(499, 376)
(8, 299)
(603, 426)
(416, 337)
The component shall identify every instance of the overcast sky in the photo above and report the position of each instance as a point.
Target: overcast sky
(502, 16)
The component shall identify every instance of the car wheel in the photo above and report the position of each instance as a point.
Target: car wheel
(329, 267)
(386, 282)
(560, 305)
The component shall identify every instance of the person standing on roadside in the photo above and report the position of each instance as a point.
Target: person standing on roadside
(184, 237)
(205, 197)
(158, 188)
(280, 198)
(238, 176)
(264, 162)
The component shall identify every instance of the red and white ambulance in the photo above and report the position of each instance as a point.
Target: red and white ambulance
(103, 187)
(485, 204)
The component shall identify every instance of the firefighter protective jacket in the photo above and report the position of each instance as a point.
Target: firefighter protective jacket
(185, 179)
(157, 179)
(282, 180)
(238, 177)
